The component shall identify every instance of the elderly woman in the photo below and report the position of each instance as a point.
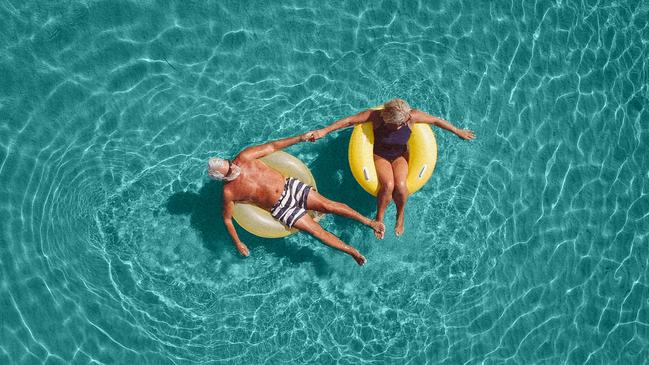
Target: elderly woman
(392, 128)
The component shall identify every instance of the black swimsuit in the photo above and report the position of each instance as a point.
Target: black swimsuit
(391, 143)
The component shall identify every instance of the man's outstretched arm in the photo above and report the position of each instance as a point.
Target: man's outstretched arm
(228, 205)
(255, 152)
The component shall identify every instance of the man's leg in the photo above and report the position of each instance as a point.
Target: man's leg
(317, 202)
(307, 224)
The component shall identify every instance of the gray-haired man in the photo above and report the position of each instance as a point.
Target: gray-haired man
(249, 180)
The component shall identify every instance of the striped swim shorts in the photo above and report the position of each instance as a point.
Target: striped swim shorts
(291, 206)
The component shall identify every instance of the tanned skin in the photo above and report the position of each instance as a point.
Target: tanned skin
(260, 185)
(391, 175)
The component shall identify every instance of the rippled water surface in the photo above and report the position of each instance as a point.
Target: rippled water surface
(528, 245)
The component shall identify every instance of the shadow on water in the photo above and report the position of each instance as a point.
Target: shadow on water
(205, 214)
(204, 209)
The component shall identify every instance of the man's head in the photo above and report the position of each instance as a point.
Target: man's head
(220, 169)
(396, 112)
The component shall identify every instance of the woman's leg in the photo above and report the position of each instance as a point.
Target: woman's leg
(400, 194)
(386, 187)
(317, 202)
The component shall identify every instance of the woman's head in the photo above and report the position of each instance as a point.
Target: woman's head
(396, 112)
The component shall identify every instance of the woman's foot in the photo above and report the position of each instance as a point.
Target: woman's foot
(399, 226)
(379, 229)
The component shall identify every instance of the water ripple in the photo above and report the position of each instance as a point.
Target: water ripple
(528, 245)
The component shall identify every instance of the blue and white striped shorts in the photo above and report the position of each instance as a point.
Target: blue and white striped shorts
(291, 206)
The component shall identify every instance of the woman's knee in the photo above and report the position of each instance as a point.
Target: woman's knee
(387, 187)
(401, 187)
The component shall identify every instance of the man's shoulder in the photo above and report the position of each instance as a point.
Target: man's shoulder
(229, 191)
(242, 158)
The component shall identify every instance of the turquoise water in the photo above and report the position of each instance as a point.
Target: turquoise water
(528, 245)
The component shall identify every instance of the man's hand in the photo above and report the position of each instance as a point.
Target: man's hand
(465, 134)
(243, 249)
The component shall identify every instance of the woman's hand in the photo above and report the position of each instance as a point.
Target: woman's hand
(465, 134)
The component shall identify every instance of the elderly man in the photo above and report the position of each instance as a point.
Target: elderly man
(249, 180)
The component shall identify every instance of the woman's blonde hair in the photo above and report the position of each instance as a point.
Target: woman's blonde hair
(396, 111)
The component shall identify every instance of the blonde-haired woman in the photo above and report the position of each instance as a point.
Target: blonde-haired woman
(392, 128)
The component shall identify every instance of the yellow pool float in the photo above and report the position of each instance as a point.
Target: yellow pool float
(422, 150)
(258, 221)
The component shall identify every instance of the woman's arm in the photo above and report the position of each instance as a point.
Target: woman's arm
(420, 117)
(342, 123)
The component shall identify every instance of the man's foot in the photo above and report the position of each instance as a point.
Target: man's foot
(399, 226)
(379, 229)
(360, 259)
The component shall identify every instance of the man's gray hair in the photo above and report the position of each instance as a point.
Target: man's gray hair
(215, 163)
(213, 166)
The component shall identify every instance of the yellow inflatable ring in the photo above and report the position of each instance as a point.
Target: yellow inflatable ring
(422, 150)
(258, 221)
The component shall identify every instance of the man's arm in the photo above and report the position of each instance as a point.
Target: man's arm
(228, 205)
(342, 123)
(255, 152)
(420, 117)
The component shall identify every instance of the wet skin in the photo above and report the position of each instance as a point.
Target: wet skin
(260, 185)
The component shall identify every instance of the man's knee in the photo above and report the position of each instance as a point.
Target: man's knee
(310, 227)
(321, 234)
(332, 206)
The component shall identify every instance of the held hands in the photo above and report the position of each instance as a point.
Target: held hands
(465, 134)
(314, 135)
